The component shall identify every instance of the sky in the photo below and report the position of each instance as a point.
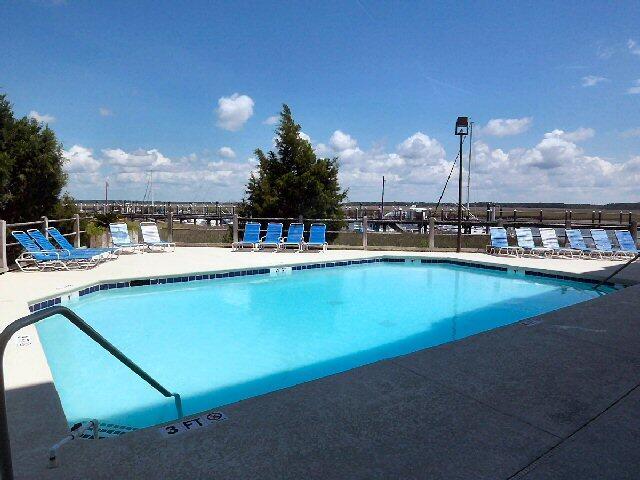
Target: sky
(190, 89)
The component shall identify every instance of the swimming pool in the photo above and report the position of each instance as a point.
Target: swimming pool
(223, 340)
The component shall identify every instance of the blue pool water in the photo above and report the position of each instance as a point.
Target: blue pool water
(219, 341)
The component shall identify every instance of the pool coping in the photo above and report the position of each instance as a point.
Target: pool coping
(132, 282)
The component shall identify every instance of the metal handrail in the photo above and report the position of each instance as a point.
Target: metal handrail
(6, 467)
(618, 270)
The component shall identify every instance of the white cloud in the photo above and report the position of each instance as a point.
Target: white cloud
(341, 141)
(634, 48)
(577, 135)
(41, 117)
(80, 159)
(604, 52)
(420, 149)
(105, 112)
(592, 80)
(304, 136)
(502, 127)
(234, 111)
(271, 120)
(226, 152)
(632, 132)
(635, 90)
(148, 159)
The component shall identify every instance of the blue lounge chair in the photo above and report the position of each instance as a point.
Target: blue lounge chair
(64, 244)
(576, 241)
(251, 237)
(550, 241)
(294, 237)
(525, 241)
(317, 237)
(120, 237)
(603, 244)
(273, 236)
(626, 242)
(80, 260)
(34, 258)
(499, 243)
(151, 237)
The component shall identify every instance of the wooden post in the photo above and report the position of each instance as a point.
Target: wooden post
(45, 225)
(633, 228)
(365, 226)
(3, 246)
(170, 226)
(515, 214)
(593, 217)
(541, 216)
(76, 227)
(620, 220)
(235, 228)
(432, 232)
(599, 217)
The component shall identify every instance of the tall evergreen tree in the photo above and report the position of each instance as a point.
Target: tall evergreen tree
(291, 180)
(31, 161)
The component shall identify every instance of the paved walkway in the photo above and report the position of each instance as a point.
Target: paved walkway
(555, 396)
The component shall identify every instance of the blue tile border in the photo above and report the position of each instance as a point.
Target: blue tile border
(309, 266)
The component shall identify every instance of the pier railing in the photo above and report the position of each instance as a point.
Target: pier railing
(363, 228)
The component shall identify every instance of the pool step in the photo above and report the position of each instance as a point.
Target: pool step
(108, 430)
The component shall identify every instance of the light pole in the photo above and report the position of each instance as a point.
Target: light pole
(382, 201)
(462, 129)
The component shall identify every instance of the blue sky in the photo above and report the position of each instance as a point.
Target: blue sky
(186, 89)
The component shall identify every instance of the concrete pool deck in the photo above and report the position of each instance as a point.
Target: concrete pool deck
(554, 396)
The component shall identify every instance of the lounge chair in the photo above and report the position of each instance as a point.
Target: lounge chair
(500, 245)
(64, 244)
(151, 237)
(251, 237)
(273, 236)
(79, 260)
(626, 242)
(525, 241)
(34, 258)
(317, 234)
(294, 237)
(576, 241)
(603, 244)
(120, 237)
(550, 241)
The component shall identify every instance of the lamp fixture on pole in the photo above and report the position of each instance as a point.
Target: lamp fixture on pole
(462, 129)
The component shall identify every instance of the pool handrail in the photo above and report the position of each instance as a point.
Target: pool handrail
(6, 467)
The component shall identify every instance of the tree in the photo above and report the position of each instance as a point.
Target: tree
(31, 161)
(291, 180)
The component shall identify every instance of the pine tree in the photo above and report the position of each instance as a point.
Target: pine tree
(31, 167)
(292, 181)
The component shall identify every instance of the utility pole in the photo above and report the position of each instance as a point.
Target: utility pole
(106, 194)
(469, 167)
(153, 204)
(382, 201)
